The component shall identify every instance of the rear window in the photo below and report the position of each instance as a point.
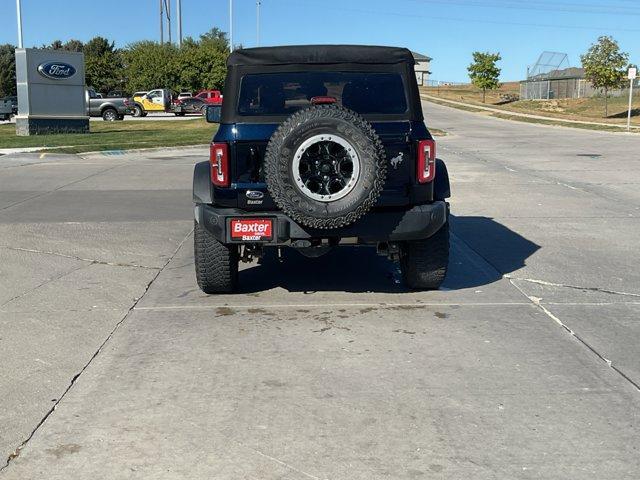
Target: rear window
(284, 93)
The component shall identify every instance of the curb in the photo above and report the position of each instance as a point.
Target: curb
(510, 113)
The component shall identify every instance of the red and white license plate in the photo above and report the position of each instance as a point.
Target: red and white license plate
(251, 230)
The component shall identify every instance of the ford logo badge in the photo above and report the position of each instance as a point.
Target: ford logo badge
(56, 70)
(254, 195)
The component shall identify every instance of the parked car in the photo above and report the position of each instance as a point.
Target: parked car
(14, 104)
(189, 105)
(110, 109)
(320, 146)
(214, 97)
(6, 109)
(182, 95)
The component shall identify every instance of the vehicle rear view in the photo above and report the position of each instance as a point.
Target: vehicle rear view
(320, 146)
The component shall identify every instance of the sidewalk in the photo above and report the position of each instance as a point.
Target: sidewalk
(527, 115)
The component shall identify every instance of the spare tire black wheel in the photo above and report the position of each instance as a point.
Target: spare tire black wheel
(325, 166)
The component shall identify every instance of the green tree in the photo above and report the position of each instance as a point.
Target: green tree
(604, 66)
(484, 72)
(149, 65)
(7, 70)
(73, 46)
(202, 64)
(104, 65)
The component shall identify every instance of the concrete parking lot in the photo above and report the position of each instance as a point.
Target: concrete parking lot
(525, 365)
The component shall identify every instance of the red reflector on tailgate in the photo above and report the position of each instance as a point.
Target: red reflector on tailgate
(254, 229)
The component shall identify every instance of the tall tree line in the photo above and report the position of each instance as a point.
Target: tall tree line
(199, 63)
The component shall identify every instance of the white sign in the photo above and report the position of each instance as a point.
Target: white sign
(632, 73)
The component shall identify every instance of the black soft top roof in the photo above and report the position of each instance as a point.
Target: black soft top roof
(320, 54)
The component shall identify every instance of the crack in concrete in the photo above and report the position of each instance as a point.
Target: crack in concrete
(75, 378)
(575, 287)
(46, 282)
(74, 257)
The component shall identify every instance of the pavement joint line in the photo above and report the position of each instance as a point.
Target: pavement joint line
(73, 257)
(536, 301)
(48, 192)
(75, 378)
(575, 287)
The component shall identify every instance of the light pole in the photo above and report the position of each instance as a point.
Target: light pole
(161, 22)
(257, 23)
(231, 25)
(19, 17)
(179, 7)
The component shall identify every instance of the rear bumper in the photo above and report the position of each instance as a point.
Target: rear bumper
(417, 223)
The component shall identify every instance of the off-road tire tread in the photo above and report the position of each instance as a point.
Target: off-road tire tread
(424, 262)
(216, 263)
(272, 165)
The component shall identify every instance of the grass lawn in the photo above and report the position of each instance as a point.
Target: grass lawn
(116, 136)
(587, 109)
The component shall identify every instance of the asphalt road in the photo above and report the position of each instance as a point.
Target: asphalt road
(524, 366)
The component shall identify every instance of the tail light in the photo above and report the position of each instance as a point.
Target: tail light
(426, 161)
(126, 102)
(219, 159)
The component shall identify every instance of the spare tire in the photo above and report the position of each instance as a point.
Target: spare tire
(325, 166)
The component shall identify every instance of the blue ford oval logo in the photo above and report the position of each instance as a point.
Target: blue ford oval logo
(56, 70)
(254, 195)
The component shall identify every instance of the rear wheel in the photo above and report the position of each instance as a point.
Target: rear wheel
(424, 262)
(216, 263)
(138, 111)
(109, 115)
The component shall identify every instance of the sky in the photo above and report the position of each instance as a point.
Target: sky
(447, 31)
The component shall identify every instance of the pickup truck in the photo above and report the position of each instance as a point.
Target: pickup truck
(110, 109)
(212, 97)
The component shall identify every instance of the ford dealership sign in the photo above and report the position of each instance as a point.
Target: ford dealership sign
(56, 70)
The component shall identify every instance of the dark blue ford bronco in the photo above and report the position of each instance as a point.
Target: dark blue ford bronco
(320, 146)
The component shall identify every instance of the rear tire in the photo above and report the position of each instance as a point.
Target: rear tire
(138, 111)
(424, 262)
(109, 115)
(216, 263)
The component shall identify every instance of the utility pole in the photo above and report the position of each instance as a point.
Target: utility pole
(168, 7)
(19, 17)
(231, 25)
(179, 8)
(257, 23)
(161, 22)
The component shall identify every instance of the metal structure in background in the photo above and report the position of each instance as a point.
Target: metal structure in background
(19, 19)
(258, 23)
(231, 25)
(550, 77)
(179, 12)
(165, 14)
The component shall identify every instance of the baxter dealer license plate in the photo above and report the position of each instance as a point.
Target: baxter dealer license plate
(251, 229)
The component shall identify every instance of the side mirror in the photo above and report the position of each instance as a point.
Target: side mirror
(213, 113)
